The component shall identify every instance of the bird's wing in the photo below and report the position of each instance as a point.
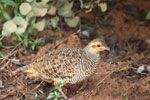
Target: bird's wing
(58, 64)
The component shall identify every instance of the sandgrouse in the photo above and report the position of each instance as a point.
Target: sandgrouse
(70, 65)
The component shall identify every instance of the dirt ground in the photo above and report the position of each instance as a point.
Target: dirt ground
(126, 32)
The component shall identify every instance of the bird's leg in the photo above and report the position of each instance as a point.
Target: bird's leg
(84, 84)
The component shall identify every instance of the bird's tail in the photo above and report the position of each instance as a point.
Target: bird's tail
(29, 70)
(21, 69)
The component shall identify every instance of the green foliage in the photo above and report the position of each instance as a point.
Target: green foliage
(148, 15)
(6, 15)
(3, 54)
(54, 94)
(25, 23)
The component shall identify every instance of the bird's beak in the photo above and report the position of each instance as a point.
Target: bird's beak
(106, 48)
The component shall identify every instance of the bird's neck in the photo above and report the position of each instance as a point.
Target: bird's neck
(92, 54)
(91, 51)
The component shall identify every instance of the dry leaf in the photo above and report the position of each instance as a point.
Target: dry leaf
(52, 11)
(38, 10)
(40, 25)
(65, 11)
(54, 21)
(8, 28)
(103, 6)
(25, 8)
(72, 22)
(21, 24)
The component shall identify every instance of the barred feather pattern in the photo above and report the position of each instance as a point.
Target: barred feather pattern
(70, 65)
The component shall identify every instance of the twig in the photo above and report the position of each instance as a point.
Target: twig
(37, 86)
(103, 79)
(66, 39)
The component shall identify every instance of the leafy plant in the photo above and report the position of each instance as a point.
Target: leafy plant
(29, 17)
(54, 94)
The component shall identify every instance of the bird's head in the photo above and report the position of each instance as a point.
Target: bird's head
(96, 46)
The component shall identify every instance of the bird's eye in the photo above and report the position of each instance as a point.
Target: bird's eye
(98, 45)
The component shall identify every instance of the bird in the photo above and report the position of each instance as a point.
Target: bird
(70, 65)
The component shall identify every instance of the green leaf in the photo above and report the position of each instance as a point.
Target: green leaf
(55, 88)
(1, 7)
(60, 89)
(30, 42)
(55, 98)
(16, 12)
(32, 22)
(25, 41)
(30, 30)
(14, 38)
(46, 6)
(42, 43)
(9, 2)
(51, 93)
(6, 15)
(56, 93)
(34, 44)
(50, 96)
(3, 54)
(148, 15)
(1, 38)
(61, 85)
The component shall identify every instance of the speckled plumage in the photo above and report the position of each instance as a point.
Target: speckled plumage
(71, 65)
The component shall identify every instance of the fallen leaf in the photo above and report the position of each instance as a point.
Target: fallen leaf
(40, 25)
(65, 11)
(39, 10)
(29, 16)
(54, 21)
(103, 6)
(52, 10)
(72, 22)
(21, 23)
(8, 28)
(25, 8)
